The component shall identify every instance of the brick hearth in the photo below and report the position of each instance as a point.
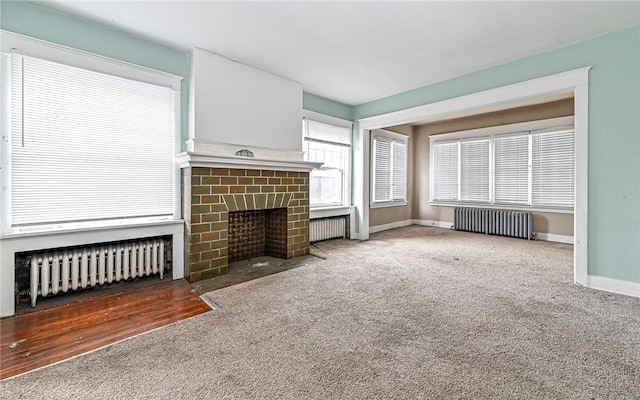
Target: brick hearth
(209, 194)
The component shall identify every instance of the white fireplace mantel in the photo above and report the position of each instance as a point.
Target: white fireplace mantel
(195, 159)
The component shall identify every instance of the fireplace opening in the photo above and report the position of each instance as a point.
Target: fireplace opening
(255, 233)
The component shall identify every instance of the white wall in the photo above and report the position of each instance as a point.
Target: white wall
(237, 104)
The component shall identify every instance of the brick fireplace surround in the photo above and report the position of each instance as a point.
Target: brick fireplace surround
(209, 194)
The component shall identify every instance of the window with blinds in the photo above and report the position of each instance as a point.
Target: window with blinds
(553, 160)
(87, 146)
(444, 171)
(389, 169)
(474, 170)
(330, 145)
(511, 174)
(532, 169)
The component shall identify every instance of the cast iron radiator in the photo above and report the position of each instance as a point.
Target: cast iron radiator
(327, 228)
(494, 222)
(54, 272)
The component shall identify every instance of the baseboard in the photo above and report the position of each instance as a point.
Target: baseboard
(613, 285)
(552, 237)
(384, 227)
(437, 224)
(407, 222)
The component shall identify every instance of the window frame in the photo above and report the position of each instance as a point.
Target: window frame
(16, 43)
(391, 137)
(347, 174)
(529, 128)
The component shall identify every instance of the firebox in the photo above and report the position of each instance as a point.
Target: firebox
(256, 233)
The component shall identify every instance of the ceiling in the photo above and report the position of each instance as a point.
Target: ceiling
(355, 52)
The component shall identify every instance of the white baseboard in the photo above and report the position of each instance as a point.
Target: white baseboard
(552, 237)
(407, 222)
(613, 285)
(437, 224)
(549, 237)
(384, 227)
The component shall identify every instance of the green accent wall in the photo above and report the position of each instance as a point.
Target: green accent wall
(57, 27)
(326, 106)
(614, 135)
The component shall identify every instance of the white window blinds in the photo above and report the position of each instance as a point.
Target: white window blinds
(533, 169)
(87, 145)
(553, 168)
(445, 171)
(474, 171)
(399, 179)
(389, 168)
(511, 155)
(381, 170)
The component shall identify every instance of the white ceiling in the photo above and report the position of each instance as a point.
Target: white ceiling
(355, 52)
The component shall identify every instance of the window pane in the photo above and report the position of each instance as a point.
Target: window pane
(327, 184)
(325, 187)
(381, 169)
(445, 171)
(511, 178)
(474, 170)
(399, 187)
(553, 169)
(94, 146)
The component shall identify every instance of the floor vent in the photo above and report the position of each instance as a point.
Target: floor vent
(328, 228)
(494, 222)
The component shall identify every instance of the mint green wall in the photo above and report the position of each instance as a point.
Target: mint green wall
(326, 106)
(42, 23)
(614, 135)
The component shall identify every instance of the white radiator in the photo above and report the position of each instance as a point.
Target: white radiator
(60, 271)
(327, 228)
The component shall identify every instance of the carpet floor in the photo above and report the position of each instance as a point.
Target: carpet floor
(413, 313)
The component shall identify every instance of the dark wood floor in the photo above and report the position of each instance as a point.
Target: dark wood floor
(46, 336)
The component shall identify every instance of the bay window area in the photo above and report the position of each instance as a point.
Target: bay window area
(527, 169)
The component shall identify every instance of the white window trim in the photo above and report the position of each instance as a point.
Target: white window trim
(490, 132)
(12, 42)
(327, 119)
(347, 187)
(398, 137)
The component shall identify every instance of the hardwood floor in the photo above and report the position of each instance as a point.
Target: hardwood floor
(46, 336)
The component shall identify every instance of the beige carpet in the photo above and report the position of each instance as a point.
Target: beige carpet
(414, 313)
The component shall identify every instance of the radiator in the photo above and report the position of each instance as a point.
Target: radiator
(494, 222)
(78, 268)
(327, 228)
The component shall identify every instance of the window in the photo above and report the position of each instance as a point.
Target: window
(389, 170)
(532, 169)
(511, 155)
(330, 145)
(86, 145)
(474, 170)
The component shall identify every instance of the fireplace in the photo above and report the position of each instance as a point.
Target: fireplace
(254, 233)
(237, 213)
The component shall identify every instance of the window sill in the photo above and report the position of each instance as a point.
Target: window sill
(390, 204)
(323, 212)
(62, 229)
(504, 207)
